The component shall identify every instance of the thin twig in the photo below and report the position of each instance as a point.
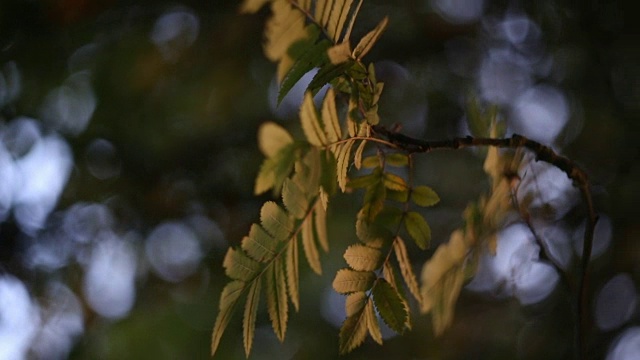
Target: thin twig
(542, 153)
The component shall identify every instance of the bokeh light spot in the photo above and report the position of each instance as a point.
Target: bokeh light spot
(173, 250)
(616, 302)
(102, 159)
(626, 346)
(109, 279)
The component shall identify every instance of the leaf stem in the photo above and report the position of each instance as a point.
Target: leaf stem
(542, 153)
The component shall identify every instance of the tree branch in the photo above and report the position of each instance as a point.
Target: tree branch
(542, 153)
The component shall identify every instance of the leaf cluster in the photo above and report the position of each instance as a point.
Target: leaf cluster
(268, 257)
(301, 35)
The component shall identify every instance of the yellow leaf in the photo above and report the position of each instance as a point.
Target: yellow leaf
(250, 311)
(310, 122)
(339, 53)
(252, 6)
(272, 138)
(367, 42)
(330, 117)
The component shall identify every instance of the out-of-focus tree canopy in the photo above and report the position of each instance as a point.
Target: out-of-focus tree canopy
(128, 156)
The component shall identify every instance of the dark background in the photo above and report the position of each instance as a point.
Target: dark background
(128, 154)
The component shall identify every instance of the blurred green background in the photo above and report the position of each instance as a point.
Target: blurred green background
(128, 154)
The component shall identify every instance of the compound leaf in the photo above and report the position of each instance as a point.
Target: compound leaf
(367, 42)
(239, 266)
(311, 122)
(406, 269)
(336, 21)
(343, 156)
(252, 6)
(283, 28)
(357, 157)
(250, 311)
(372, 323)
(394, 182)
(293, 274)
(348, 281)
(275, 169)
(309, 54)
(259, 245)
(355, 302)
(228, 300)
(330, 117)
(294, 198)
(310, 247)
(320, 222)
(390, 306)
(353, 332)
(277, 301)
(275, 220)
(424, 196)
(272, 138)
(418, 228)
(362, 258)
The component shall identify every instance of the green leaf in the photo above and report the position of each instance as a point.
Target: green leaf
(250, 311)
(272, 138)
(399, 196)
(259, 245)
(276, 221)
(330, 117)
(374, 201)
(367, 42)
(397, 159)
(389, 217)
(394, 182)
(239, 266)
(309, 246)
(275, 169)
(418, 228)
(363, 181)
(308, 173)
(372, 234)
(308, 54)
(372, 161)
(343, 156)
(353, 332)
(390, 273)
(362, 258)
(424, 196)
(406, 268)
(228, 300)
(355, 302)
(348, 281)
(320, 222)
(372, 323)
(328, 171)
(294, 199)
(311, 122)
(293, 275)
(390, 306)
(328, 73)
(277, 305)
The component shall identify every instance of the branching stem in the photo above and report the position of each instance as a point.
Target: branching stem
(542, 153)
